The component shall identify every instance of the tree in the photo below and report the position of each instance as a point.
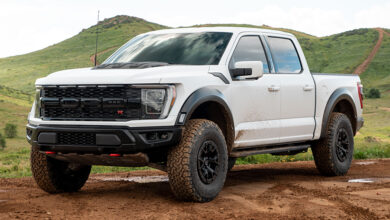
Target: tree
(373, 93)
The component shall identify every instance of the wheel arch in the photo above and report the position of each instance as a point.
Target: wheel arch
(209, 104)
(340, 101)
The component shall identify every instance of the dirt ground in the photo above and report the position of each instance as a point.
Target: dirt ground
(268, 191)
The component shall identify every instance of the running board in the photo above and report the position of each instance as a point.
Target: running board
(275, 150)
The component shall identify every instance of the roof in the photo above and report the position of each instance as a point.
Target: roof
(234, 30)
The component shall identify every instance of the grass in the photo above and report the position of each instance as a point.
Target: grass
(14, 159)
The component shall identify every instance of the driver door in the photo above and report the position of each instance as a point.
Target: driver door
(255, 102)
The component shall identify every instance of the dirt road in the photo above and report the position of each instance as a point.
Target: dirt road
(92, 57)
(363, 66)
(269, 191)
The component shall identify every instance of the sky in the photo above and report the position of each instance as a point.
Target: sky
(30, 25)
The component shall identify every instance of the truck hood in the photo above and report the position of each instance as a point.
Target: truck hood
(122, 76)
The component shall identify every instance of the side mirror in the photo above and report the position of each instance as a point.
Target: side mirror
(248, 69)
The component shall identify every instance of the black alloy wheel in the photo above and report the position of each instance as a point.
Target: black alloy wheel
(342, 145)
(208, 162)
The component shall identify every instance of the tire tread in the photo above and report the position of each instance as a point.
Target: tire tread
(178, 162)
(322, 151)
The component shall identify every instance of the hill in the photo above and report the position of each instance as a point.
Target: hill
(378, 72)
(20, 72)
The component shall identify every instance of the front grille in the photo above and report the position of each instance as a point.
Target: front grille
(92, 102)
(86, 91)
(76, 138)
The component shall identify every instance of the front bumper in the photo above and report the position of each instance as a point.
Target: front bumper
(101, 139)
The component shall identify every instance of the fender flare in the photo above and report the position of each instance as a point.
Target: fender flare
(338, 95)
(199, 97)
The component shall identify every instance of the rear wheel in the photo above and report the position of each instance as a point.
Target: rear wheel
(55, 176)
(333, 154)
(197, 167)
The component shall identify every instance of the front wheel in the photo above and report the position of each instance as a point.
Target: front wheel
(333, 154)
(55, 176)
(197, 167)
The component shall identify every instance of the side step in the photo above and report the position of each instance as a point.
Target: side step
(269, 150)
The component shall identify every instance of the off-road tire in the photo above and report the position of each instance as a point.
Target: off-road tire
(325, 151)
(185, 177)
(231, 162)
(55, 176)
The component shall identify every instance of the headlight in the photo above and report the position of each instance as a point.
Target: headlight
(37, 102)
(156, 102)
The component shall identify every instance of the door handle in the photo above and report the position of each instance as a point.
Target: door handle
(308, 88)
(273, 88)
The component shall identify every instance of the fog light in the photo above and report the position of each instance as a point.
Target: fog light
(164, 135)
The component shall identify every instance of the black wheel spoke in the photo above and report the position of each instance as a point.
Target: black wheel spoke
(342, 145)
(214, 160)
(208, 162)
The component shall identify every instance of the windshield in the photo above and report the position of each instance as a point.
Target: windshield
(204, 48)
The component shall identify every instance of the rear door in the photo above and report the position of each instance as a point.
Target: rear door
(297, 89)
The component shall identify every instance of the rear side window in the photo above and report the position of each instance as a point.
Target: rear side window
(285, 55)
(249, 48)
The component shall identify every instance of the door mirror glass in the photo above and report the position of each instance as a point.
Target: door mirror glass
(248, 69)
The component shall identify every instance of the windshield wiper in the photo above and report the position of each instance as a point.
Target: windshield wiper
(131, 65)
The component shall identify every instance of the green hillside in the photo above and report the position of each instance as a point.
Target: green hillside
(340, 53)
(20, 72)
(378, 73)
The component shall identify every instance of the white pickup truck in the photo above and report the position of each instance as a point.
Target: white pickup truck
(190, 101)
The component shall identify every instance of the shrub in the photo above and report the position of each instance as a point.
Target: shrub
(371, 139)
(373, 93)
(10, 130)
(2, 141)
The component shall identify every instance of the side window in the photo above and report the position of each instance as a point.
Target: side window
(285, 55)
(249, 48)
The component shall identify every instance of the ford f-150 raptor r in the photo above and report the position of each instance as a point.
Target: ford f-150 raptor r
(190, 101)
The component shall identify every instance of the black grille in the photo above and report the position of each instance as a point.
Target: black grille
(103, 102)
(85, 91)
(76, 138)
